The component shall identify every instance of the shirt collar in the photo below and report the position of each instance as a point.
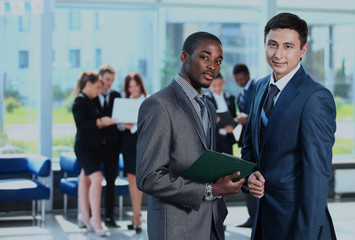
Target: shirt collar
(187, 88)
(107, 93)
(246, 87)
(281, 83)
(218, 95)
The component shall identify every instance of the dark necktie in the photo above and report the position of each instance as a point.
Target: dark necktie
(241, 101)
(204, 117)
(105, 108)
(269, 102)
(267, 108)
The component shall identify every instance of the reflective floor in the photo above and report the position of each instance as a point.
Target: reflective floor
(58, 227)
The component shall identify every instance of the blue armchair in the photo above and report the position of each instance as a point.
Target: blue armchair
(69, 185)
(25, 189)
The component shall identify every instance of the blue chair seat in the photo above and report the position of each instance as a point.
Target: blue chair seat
(15, 189)
(69, 186)
(22, 190)
(121, 186)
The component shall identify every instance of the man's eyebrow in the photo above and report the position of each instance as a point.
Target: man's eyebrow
(209, 53)
(289, 43)
(271, 40)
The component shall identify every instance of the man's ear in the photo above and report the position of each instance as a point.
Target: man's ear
(184, 57)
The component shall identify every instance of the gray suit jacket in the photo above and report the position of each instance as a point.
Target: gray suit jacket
(170, 139)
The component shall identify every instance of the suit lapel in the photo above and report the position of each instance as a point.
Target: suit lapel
(259, 100)
(186, 105)
(212, 116)
(287, 95)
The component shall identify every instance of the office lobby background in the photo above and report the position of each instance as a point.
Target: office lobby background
(46, 44)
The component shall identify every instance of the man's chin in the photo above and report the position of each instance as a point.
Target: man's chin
(206, 84)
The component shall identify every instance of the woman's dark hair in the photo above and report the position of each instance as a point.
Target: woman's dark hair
(136, 77)
(86, 76)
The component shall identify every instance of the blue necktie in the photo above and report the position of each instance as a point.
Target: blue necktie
(269, 103)
(204, 117)
(267, 108)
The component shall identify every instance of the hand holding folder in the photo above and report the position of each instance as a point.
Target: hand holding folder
(212, 165)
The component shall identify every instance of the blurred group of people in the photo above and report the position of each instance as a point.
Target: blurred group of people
(99, 140)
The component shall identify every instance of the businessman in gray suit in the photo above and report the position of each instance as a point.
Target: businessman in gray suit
(173, 131)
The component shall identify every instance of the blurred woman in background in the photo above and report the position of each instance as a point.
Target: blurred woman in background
(88, 149)
(133, 88)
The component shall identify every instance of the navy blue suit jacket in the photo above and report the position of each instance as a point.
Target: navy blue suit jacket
(294, 158)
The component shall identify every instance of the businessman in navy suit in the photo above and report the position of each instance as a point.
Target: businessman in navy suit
(290, 135)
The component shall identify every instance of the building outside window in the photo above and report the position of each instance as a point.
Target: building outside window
(23, 59)
(74, 20)
(98, 20)
(24, 23)
(98, 57)
(74, 58)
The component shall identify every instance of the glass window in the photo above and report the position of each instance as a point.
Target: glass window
(329, 60)
(74, 58)
(23, 59)
(20, 89)
(24, 23)
(98, 57)
(74, 20)
(119, 45)
(98, 20)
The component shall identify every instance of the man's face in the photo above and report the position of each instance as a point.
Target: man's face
(283, 51)
(107, 80)
(203, 64)
(217, 86)
(241, 79)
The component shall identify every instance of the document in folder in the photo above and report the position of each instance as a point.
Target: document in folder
(212, 165)
(125, 110)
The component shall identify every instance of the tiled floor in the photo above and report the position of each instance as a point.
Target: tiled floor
(58, 227)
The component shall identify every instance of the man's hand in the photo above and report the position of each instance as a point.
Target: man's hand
(256, 185)
(229, 128)
(107, 121)
(225, 186)
(242, 118)
(128, 125)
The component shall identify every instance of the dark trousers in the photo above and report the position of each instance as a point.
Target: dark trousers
(251, 202)
(110, 159)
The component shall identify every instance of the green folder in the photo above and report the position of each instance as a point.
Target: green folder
(212, 165)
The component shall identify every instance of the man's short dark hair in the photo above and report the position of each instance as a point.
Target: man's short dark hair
(240, 68)
(194, 39)
(219, 75)
(291, 21)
